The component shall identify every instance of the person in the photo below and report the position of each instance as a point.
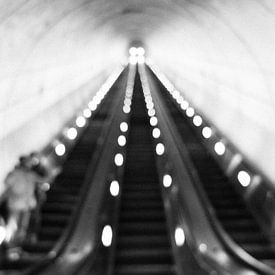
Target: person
(20, 195)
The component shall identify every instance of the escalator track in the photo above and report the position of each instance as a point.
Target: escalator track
(65, 198)
(229, 207)
(142, 243)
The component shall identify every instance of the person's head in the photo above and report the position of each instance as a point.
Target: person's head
(25, 162)
(35, 158)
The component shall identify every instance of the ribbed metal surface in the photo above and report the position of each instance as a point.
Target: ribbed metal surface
(142, 243)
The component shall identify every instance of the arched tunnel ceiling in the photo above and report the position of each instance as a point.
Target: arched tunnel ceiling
(220, 53)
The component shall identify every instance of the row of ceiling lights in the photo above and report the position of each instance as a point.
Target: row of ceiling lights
(114, 188)
(244, 177)
(136, 55)
(71, 132)
(167, 180)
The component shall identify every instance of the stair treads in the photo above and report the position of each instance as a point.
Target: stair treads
(142, 245)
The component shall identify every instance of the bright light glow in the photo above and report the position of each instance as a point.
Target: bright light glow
(104, 89)
(167, 180)
(197, 120)
(129, 91)
(151, 112)
(127, 101)
(140, 51)
(126, 109)
(141, 59)
(123, 127)
(52, 254)
(97, 99)
(222, 258)
(46, 186)
(184, 105)
(175, 94)
(244, 178)
(206, 132)
(148, 99)
(153, 121)
(179, 236)
(118, 159)
(80, 121)
(114, 188)
(133, 51)
(92, 105)
(190, 112)
(121, 140)
(203, 247)
(160, 149)
(219, 148)
(107, 236)
(150, 105)
(3, 233)
(72, 133)
(60, 149)
(146, 90)
(180, 99)
(169, 86)
(133, 60)
(87, 113)
(156, 133)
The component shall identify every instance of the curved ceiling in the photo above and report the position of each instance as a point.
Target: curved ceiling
(220, 53)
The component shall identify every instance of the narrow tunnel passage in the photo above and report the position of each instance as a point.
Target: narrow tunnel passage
(142, 243)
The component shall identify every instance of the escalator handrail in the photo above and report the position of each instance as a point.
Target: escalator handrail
(120, 177)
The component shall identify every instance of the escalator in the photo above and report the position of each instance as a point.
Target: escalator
(142, 242)
(229, 207)
(65, 198)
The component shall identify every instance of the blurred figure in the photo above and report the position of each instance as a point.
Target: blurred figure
(20, 196)
(26, 188)
(25, 193)
(44, 176)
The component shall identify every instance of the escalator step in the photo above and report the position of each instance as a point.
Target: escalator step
(38, 247)
(152, 269)
(141, 204)
(144, 256)
(149, 215)
(57, 206)
(49, 233)
(145, 196)
(143, 241)
(246, 225)
(142, 228)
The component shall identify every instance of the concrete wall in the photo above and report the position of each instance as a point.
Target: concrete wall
(52, 57)
(221, 54)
